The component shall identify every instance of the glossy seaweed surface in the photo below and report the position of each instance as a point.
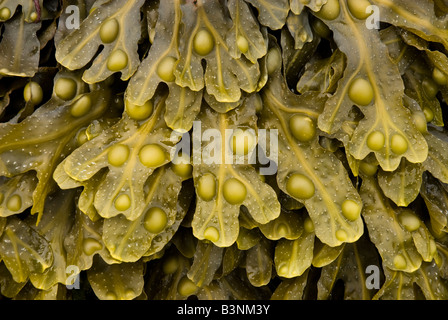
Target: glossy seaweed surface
(115, 180)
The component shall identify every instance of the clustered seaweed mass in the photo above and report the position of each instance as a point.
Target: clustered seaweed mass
(96, 95)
